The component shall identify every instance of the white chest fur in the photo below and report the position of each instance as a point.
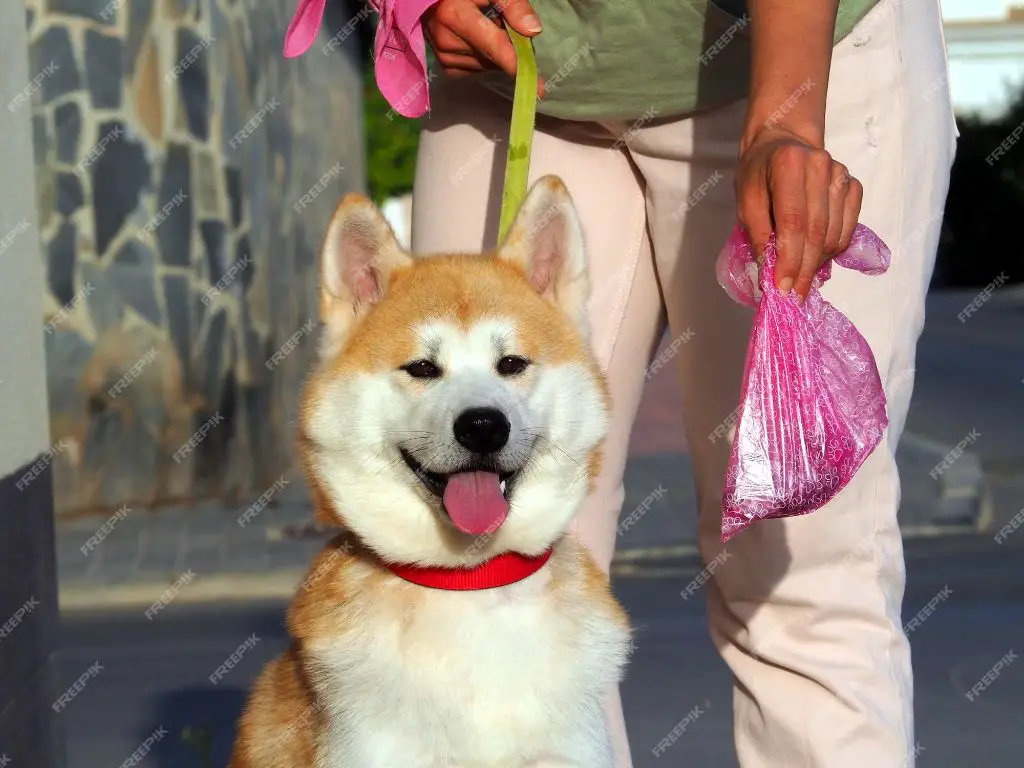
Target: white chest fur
(503, 678)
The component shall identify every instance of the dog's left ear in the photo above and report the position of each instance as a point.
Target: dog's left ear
(359, 257)
(546, 241)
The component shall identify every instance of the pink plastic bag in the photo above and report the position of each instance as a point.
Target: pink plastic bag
(812, 408)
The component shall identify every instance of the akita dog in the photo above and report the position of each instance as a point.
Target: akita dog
(452, 427)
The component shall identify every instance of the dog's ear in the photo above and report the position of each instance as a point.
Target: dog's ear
(359, 256)
(546, 241)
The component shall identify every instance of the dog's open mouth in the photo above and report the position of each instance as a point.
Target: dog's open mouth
(475, 497)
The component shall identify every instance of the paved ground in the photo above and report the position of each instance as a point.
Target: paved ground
(154, 675)
(144, 553)
(970, 379)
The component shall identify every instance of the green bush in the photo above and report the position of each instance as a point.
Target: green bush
(391, 143)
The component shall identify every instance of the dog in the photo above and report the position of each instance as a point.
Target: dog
(452, 427)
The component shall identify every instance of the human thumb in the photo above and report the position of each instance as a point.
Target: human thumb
(521, 17)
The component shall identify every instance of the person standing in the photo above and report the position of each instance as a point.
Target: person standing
(669, 122)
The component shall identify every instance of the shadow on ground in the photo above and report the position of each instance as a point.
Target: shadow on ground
(210, 714)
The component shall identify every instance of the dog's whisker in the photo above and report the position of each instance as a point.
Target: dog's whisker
(422, 448)
(560, 449)
(393, 464)
(433, 460)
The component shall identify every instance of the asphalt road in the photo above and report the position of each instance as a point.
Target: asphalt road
(970, 387)
(153, 676)
(144, 681)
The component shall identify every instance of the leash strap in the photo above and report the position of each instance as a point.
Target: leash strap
(520, 136)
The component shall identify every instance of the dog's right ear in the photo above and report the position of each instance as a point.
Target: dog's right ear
(359, 256)
(546, 242)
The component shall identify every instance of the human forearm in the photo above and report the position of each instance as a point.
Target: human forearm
(791, 54)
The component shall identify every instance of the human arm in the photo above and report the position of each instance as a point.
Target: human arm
(786, 181)
(464, 38)
(468, 38)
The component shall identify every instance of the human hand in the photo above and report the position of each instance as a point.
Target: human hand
(787, 185)
(468, 36)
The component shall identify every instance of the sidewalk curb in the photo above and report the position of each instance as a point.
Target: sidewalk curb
(965, 507)
(965, 492)
(281, 585)
(219, 587)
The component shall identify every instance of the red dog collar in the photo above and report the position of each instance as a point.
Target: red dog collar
(500, 571)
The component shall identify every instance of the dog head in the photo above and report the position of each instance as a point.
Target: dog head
(456, 411)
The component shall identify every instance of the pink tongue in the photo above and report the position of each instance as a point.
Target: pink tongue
(474, 502)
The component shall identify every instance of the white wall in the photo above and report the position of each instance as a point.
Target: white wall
(30, 733)
(23, 405)
(985, 64)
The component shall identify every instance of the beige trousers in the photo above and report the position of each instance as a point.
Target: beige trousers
(805, 611)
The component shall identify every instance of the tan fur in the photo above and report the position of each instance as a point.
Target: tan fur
(282, 719)
(351, 608)
(464, 288)
(277, 728)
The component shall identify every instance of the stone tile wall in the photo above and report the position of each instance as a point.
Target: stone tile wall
(185, 174)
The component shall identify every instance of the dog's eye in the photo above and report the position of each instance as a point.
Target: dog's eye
(511, 365)
(422, 369)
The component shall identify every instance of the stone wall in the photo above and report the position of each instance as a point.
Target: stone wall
(185, 174)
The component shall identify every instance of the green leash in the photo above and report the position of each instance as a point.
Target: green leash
(520, 135)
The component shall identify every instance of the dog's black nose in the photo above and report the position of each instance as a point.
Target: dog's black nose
(482, 430)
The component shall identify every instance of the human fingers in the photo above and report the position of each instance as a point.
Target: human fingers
(817, 187)
(520, 16)
(787, 190)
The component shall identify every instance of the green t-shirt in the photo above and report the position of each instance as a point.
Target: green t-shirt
(623, 59)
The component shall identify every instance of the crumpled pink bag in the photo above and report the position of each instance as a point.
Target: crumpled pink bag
(812, 408)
